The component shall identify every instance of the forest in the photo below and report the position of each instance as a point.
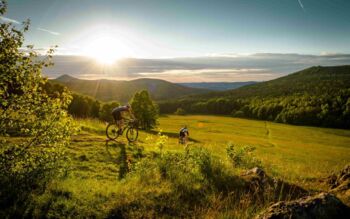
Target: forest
(317, 96)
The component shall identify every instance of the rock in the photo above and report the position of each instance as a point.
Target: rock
(339, 184)
(338, 179)
(323, 205)
(263, 186)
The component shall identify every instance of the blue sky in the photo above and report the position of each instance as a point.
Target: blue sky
(188, 28)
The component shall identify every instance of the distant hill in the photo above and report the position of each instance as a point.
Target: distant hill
(218, 86)
(314, 80)
(318, 96)
(108, 90)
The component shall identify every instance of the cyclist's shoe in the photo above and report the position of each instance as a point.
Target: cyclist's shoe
(120, 131)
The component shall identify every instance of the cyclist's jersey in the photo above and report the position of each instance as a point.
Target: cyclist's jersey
(120, 109)
(183, 131)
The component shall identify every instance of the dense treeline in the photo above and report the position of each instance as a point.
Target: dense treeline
(318, 96)
(81, 106)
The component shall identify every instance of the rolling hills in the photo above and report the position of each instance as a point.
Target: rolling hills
(218, 86)
(108, 90)
(317, 96)
(315, 80)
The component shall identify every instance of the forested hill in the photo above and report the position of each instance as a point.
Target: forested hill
(315, 80)
(318, 96)
(122, 91)
(218, 86)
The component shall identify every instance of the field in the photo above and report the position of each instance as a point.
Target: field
(291, 151)
(97, 183)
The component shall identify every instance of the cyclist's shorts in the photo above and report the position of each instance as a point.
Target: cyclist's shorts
(117, 115)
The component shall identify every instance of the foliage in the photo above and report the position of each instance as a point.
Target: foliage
(38, 120)
(180, 111)
(144, 109)
(242, 156)
(83, 107)
(318, 96)
(106, 111)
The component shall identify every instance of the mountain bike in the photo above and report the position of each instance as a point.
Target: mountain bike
(183, 139)
(130, 126)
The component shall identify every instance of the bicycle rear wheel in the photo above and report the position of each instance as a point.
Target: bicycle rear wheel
(112, 131)
(132, 134)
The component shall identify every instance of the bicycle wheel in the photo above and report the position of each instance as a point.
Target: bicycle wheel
(132, 134)
(112, 131)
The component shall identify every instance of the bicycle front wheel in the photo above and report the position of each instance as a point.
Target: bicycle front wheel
(112, 131)
(132, 134)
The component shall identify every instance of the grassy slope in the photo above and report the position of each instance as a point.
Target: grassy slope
(292, 151)
(93, 188)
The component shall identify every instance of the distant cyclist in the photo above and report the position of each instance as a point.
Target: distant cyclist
(118, 117)
(184, 133)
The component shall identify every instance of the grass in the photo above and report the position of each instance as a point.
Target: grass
(166, 183)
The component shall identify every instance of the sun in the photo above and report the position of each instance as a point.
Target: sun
(106, 49)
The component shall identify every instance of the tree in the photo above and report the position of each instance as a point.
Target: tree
(180, 111)
(145, 110)
(38, 120)
(106, 111)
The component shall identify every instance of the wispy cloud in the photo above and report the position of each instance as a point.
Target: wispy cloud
(253, 67)
(301, 5)
(9, 20)
(48, 31)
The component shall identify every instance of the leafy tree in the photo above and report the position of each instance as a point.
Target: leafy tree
(106, 111)
(84, 106)
(145, 110)
(180, 111)
(39, 121)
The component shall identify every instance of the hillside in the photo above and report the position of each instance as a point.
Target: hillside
(108, 90)
(315, 80)
(318, 96)
(218, 86)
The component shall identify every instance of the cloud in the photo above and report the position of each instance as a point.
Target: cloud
(9, 20)
(48, 31)
(301, 5)
(256, 67)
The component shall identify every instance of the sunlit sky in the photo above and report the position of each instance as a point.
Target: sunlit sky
(156, 29)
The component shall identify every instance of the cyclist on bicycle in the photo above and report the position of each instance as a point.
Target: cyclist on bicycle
(117, 115)
(184, 135)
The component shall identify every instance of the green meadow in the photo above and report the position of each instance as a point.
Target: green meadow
(99, 183)
(291, 151)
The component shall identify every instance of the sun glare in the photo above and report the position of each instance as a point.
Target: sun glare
(106, 49)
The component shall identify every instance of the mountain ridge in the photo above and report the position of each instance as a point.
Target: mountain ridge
(115, 90)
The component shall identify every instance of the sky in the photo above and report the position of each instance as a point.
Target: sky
(187, 40)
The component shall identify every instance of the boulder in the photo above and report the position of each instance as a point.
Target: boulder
(265, 187)
(323, 205)
(339, 184)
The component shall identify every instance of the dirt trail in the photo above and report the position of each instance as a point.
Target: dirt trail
(268, 135)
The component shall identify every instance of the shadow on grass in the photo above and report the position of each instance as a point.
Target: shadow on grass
(117, 152)
(170, 134)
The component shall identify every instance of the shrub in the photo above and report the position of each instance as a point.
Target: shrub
(40, 122)
(242, 156)
(238, 113)
(180, 111)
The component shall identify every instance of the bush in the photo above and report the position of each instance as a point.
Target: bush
(238, 113)
(40, 122)
(180, 111)
(242, 156)
(106, 111)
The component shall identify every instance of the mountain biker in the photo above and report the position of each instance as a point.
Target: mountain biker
(117, 115)
(183, 135)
